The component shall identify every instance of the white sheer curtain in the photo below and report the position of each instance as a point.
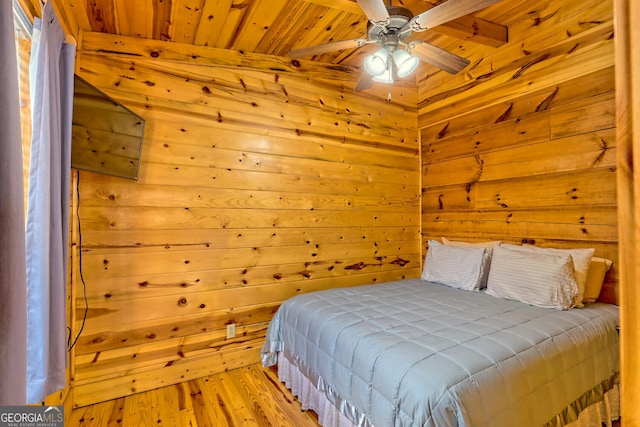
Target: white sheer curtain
(51, 73)
(13, 316)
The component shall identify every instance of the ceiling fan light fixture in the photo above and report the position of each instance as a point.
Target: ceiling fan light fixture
(376, 63)
(405, 62)
(385, 77)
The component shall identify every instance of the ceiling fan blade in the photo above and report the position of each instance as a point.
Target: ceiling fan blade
(365, 82)
(376, 11)
(325, 48)
(446, 12)
(441, 58)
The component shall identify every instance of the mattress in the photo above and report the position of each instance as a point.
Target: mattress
(418, 353)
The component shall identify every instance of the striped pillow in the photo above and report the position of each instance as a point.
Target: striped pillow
(540, 279)
(487, 254)
(455, 266)
(581, 261)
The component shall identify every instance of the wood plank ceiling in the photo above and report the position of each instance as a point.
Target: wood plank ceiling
(271, 27)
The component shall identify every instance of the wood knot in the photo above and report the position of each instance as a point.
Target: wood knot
(357, 266)
(401, 262)
(97, 340)
(182, 302)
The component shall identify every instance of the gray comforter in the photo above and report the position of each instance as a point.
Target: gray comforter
(417, 353)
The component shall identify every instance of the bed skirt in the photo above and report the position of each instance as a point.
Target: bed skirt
(603, 411)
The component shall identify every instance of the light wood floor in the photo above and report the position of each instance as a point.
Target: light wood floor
(250, 396)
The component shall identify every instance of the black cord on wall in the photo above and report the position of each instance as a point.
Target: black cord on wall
(84, 285)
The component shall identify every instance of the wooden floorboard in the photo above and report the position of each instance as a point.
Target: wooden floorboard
(251, 396)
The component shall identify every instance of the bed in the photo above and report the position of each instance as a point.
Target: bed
(422, 353)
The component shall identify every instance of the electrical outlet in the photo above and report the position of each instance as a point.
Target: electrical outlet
(231, 330)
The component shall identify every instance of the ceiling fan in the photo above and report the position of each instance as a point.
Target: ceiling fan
(389, 26)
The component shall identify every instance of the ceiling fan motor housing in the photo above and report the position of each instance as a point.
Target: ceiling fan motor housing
(398, 17)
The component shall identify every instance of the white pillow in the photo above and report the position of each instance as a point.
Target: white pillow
(536, 278)
(487, 254)
(454, 266)
(581, 263)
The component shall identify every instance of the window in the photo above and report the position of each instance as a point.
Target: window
(23, 28)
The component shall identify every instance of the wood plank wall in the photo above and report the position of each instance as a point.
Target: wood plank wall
(521, 147)
(627, 16)
(257, 183)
